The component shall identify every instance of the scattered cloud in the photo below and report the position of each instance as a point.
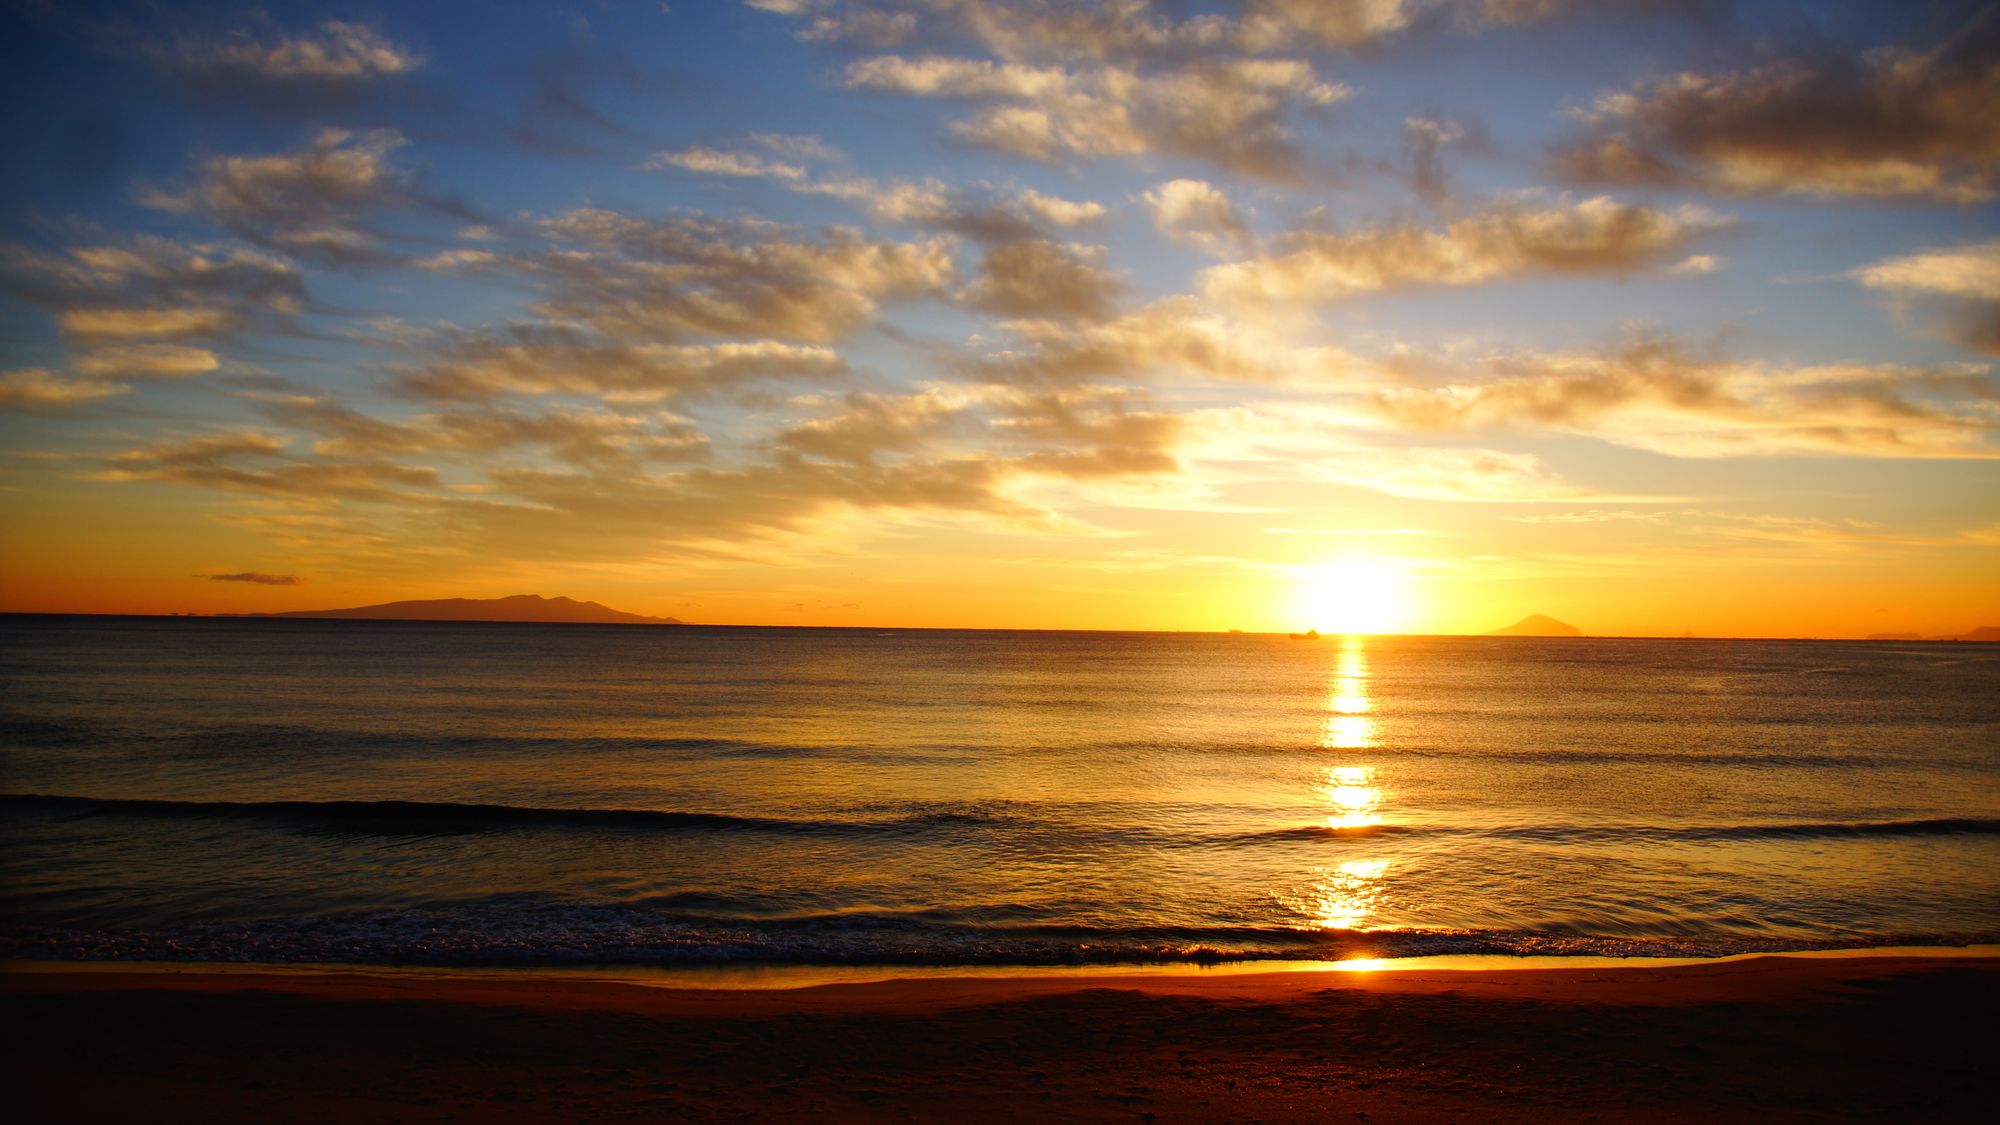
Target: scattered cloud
(313, 203)
(716, 162)
(1888, 124)
(147, 287)
(980, 212)
(1586, 517)
(1454, 475)
(1020, 30)
(1039, 279)
(1198, 212)
(1174, 335)
(541, 360)
(31, 389)
(1594, 237)
(335, 66)
(1655, 395)
(635, 278)
(1963, 280)
(1348, 531)
(1231, 112)
(139, 361)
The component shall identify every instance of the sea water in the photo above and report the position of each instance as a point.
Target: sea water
(498, 794)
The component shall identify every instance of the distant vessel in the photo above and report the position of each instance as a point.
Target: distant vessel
(1308, 635)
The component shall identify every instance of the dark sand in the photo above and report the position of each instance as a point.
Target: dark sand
(1765, 1040)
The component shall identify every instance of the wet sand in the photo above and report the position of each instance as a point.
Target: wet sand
(1770, 1039)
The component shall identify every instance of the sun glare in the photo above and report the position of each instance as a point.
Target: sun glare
(1356, 597)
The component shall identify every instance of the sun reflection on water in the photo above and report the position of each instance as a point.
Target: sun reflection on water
(1348, 726)
(1351, 793)
(1347, 894)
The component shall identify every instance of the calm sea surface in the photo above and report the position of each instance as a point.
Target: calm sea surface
(462, 793)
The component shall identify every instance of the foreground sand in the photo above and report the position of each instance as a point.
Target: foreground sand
(1765, 1040)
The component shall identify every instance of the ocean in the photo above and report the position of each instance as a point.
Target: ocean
(429, 793)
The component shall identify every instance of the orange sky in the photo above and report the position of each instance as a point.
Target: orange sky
(1423, 320)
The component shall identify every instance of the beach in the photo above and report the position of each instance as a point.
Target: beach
(1873, 1038)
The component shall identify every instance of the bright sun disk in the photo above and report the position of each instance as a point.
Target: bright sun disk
(1357, 597)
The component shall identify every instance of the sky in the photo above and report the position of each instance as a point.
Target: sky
(1421, 316)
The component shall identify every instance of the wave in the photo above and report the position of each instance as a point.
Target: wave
(591, 933)
(1947, 826)
(432, 818)
(400, 817)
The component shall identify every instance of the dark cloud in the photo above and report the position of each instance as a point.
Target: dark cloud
(1887, 124)
(259, 579)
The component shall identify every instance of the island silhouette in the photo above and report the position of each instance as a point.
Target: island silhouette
(1536, 625)
(520, 607)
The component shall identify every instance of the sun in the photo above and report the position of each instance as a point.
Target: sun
(1356, 597)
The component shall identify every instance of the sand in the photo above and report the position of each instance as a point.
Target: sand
(1770, 1039)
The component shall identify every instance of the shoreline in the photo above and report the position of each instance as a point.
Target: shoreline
(1759, 1037)
(752, 976)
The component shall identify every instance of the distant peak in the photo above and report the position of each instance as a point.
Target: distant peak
(1537, 625)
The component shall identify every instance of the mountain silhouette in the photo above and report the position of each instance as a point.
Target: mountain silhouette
(520, 607)
(1536, 625)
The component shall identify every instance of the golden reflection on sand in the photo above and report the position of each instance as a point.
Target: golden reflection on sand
(1348, 726)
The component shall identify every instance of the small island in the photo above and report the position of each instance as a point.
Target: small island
(520, 607)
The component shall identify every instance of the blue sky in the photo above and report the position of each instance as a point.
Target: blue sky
(1648, 315)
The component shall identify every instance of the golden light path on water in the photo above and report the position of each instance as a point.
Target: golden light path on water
(1346, 894)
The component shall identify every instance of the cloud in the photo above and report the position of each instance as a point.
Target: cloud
(336, 66)
(219, 462)
(32, 389)
(988, 215)
(1889, 124)
(1654, 395)
(148, 287)
(541, 360)
(869, 426)
(146, 360)
(1964, 280)
(1230, 112)
(1197, 212)
(1594, 237)
(1347, 531)
(312, 203)
(1041, 279)
(701, 158)
(636, 278)
(600, 439)
(1457, 475)
(1586, 517)
(1176, 334)
(1019, 30)
(259, 579)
